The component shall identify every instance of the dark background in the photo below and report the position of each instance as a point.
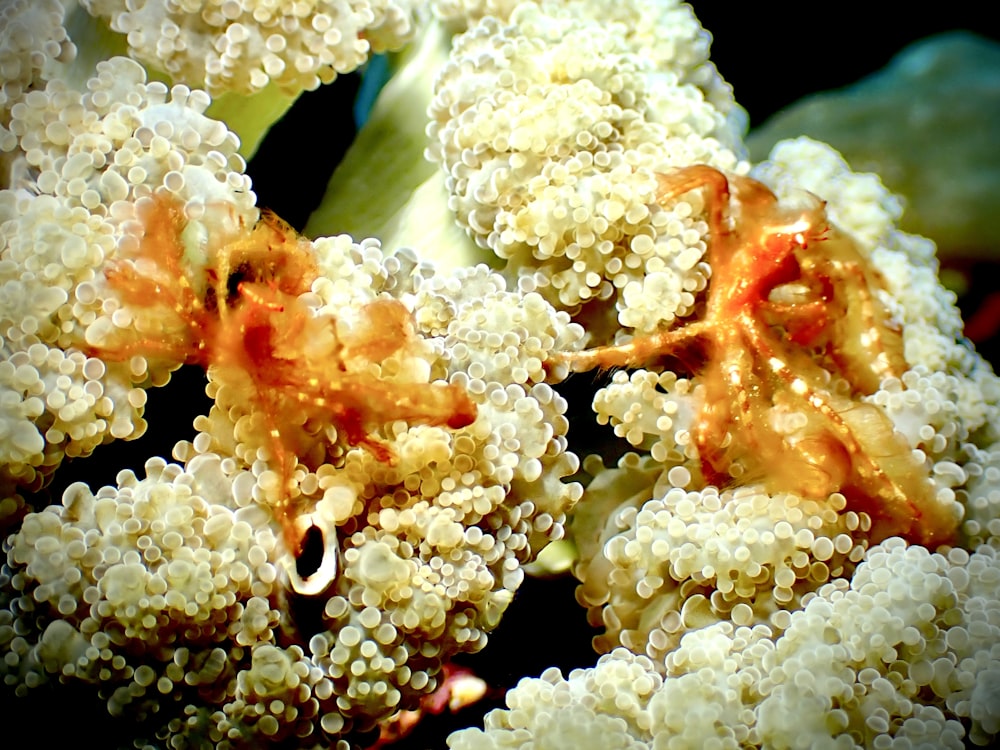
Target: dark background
(774, 53)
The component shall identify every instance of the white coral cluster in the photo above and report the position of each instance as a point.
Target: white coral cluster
(732, 618)
(168, 593)
(33, 46)
(689, 558)
(142, 590)
(460, 13)
(900, 655)
(431, 546)
(426, 552)
(667, 563)
(82, 160)
(242, 46)
(946, 406)
(163, 592)
(429, 549)
(550, 128)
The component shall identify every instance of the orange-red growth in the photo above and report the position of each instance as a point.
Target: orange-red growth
(242, 317)
(791, 325)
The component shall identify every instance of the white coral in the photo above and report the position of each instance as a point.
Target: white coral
(86, 159)
(242, 46)
(838, 652)
(550, 150)
(421, 554)
(895, 655)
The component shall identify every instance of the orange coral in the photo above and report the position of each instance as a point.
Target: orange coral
(243, 318)
(792, 327)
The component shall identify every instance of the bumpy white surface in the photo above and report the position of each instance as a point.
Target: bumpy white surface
(241, 46)
(460, 13)
(672, 569)
(892, 649)
(947, 406)
(33, 46)
(82, 160)
(165, 593)
(427, 550)
(892, 658)
(690, 558)
(550, 127)
(161, 592)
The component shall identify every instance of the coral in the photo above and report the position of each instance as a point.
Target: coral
(419, 555)
(684, 559)
(790, 537)
(667, 560)
(126, 586)
(890, 657)
(550, 151)
(33, 46)
(244, 46)
(83, 159)
(373, 444)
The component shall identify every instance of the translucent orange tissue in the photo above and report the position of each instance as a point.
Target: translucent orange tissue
(242, 317)
(792, 325)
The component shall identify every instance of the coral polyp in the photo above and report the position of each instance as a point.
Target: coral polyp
(791, 337)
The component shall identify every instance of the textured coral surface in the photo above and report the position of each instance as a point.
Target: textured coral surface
(777, 485)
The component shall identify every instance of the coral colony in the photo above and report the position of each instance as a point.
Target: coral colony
(800, 546)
